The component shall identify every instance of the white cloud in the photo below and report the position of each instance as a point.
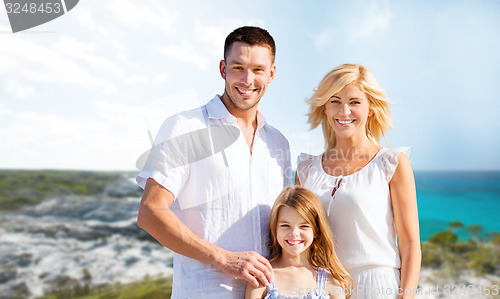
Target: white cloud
(88, 53)
(323, 38)
(86, 20)
(117, 112)
(161, 77)
(68, 60)
(112, 137)
(120, 50)
(2, 109)
(185, 52)
(36, 62)
(150, 114)
(73, 48)
(47, 140)
(212, 36)
(17, 89)
(377, 19)
(136, 14)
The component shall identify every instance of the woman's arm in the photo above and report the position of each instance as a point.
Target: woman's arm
(252, 292)
(404, 204)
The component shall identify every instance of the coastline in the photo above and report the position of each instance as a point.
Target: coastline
(433, 285)
(74, 244)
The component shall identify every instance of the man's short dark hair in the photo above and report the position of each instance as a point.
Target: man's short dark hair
(254, 36)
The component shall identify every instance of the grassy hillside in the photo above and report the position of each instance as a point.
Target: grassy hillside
(148, 288)
(22, 187)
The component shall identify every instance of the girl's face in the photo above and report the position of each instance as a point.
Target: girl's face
(295, 235)
(347, 112)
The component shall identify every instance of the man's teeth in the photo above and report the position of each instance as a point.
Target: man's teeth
(346, 122)
(249, 91)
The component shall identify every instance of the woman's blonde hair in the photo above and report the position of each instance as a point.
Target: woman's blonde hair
(321, 252)
(377, 124)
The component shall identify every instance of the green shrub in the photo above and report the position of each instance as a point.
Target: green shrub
(463, 247)
(445, 252)
(482, 260)
(444, 239)
(476, 232)
(431, 256)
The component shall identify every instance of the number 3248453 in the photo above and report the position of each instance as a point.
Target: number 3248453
(40, 8)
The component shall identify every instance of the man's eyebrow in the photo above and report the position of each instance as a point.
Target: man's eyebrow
(259, 66)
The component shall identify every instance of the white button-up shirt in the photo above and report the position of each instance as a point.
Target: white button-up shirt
(223, 192)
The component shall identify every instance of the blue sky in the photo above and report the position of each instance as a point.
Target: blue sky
(80, 92)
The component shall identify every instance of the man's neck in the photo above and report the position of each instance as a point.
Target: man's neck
(246, 118)
(248, 130)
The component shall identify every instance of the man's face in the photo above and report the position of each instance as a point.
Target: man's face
(247, 71)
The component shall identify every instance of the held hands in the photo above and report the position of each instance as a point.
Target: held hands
(248, 265)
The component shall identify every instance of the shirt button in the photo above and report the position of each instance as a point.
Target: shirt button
(258, 247)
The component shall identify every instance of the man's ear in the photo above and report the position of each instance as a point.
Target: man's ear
(273, 72)
(222, 69)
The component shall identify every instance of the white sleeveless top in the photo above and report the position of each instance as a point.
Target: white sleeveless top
(360, 211)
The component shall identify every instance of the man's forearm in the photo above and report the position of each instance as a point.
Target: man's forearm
(157, 219)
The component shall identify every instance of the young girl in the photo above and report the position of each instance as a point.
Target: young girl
(301, 251)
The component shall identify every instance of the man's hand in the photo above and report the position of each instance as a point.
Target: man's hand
(160, 222)
(248, 265)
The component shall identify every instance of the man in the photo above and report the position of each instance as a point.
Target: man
(213, 209)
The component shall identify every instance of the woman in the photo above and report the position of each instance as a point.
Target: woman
(368, 191)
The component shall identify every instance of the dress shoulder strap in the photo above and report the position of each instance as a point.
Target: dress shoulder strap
(322, 279)
(272, 291)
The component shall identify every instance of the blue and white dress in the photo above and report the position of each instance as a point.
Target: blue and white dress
(319, 292)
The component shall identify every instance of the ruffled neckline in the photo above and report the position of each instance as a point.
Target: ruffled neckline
(320, 165)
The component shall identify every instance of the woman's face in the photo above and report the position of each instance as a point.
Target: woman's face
(347, 112)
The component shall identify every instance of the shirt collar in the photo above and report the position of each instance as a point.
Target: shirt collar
(261, 121)
(217, 110)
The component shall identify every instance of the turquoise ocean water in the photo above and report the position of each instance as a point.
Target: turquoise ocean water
(472, 198)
